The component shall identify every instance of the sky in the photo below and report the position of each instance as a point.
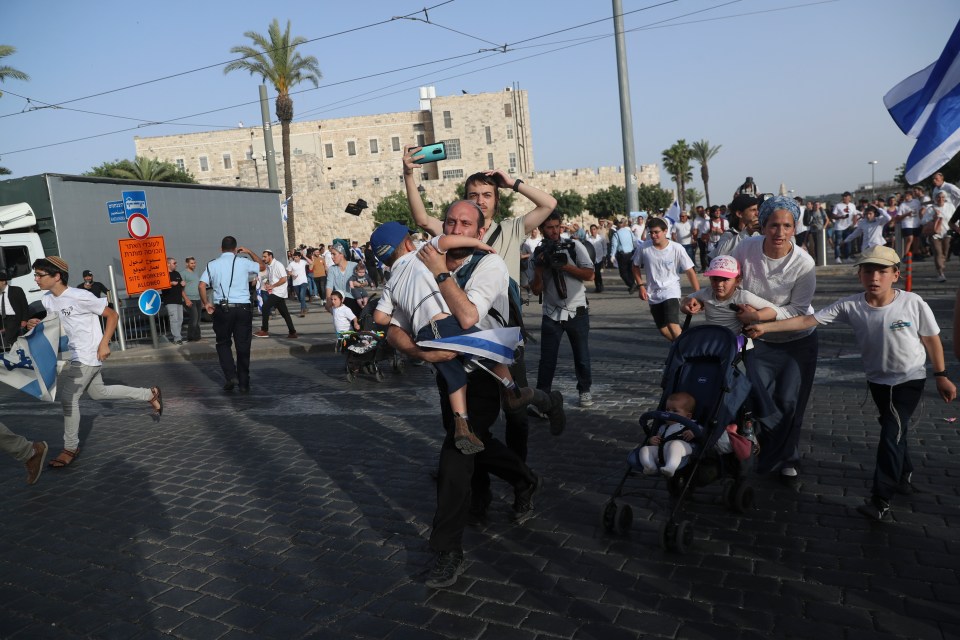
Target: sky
(791, 90)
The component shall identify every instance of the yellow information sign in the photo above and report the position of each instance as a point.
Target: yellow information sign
(144, 263)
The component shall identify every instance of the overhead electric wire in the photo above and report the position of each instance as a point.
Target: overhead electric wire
(585, 40)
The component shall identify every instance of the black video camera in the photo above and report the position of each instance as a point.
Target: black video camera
(555, 253)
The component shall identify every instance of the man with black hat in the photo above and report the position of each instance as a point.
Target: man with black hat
(13, 311)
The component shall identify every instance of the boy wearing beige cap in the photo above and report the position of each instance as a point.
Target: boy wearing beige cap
(890, 326)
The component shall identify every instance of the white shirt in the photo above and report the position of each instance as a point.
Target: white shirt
(664, 267)
(702, 225)
(79, 313)
(848, 211)
(871, 232)
(530, 245)
(411, 295)
(272, 275)
(343, 318)
(298, 271)
(719, 312)
(715, 230)
(952, 192)
(327, 258)
(560, 309)
(600, 246)
(944, 213)
(682, 232)
(800, 226)
(889, 336)
(637, 230)
(910, 212)
(788, 283)
(507, 245)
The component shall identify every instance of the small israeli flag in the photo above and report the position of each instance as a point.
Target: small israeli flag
(32, 365)
(493, 344)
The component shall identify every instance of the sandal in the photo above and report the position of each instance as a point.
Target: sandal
(158, 399)
(65, 459)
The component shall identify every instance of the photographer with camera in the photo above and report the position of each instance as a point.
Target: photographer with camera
(559, 272)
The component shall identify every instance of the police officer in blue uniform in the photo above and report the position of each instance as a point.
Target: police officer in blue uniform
(225, 294)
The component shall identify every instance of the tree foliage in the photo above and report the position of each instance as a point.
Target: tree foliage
(692, 197)
(275, 59)
(395, 208)
(676, 162)
(146, 169)
(7, 71)
(703, 153)
(570, 204)
(653, 198)
(608, 203)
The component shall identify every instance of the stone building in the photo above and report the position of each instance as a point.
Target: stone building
(337, 161)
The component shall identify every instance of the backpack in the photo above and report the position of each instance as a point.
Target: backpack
(515, 318)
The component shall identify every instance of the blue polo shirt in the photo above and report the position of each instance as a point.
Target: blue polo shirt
(217, 276)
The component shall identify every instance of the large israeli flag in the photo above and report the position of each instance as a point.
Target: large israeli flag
(32, 365)
(926, 106)
(673, 213)
(493, 344)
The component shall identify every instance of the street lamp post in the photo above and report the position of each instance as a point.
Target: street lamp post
(873, 179)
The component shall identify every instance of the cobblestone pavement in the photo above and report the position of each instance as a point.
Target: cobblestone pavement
(303, 510)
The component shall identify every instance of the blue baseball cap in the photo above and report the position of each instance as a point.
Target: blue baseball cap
(387, 237)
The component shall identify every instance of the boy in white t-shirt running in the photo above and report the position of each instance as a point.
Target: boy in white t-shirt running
(664, 260)
(80, 313)
(890, 326)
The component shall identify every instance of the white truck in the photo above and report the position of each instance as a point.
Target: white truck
(54, 214)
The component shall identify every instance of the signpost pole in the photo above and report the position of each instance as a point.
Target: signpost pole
(153, 332)
(121, 330)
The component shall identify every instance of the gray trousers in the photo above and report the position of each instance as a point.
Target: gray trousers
(77, 378)
(175, 314)
(17, 446)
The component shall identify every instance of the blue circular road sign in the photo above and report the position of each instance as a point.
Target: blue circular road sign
(150, 302)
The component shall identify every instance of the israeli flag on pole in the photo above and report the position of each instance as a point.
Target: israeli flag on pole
(283, 208)
(32, 364)
(493, 344)
(926, 106)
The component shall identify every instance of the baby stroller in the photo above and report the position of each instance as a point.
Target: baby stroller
(704, 362)
(368, 347)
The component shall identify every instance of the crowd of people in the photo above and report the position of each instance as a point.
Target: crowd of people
(754, 252)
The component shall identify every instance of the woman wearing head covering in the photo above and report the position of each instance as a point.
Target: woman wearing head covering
(781, 366)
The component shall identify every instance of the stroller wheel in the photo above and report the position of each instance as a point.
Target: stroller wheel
(624, 519)
(742, 497)
(668, 531)
(608, 516)
(351, 377)
(378, 374)
(399, 364)
(683, 536)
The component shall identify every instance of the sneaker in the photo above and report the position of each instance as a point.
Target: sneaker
(790, 478)
(558, 419)
(444, 573)
(941, 278)
(876, 509)
(261, 334)
(523, 503)
(35, 463)
(586, 400)
(293, 335)
(839, 260)
(178, 342)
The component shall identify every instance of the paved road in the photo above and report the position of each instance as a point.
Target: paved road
(303, 511)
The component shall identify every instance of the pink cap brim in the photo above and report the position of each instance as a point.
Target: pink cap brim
(720, 273)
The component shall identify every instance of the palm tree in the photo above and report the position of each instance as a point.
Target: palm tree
(702, 152)
(147, 169)
(9, 72)
(676, 161)
(274, 58)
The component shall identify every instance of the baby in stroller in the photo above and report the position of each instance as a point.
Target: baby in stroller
(666, 449)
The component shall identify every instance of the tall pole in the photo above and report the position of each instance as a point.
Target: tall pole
(268, 140)
(873, 178)
(626, 115)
